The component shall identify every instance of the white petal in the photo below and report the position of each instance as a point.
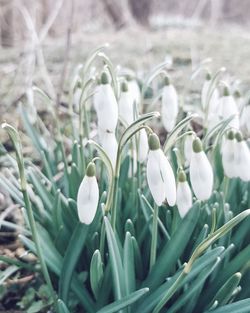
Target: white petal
(243, 160)
(201, 175)
(154, 177)
(143, 146)
(169, 179)
(87, 199)
(109, 143)
(106, 108)
(227, 108)
(188, 148)
(229, 158)
(169, 107)
(183, 198)
(135, 91)
(126, 109)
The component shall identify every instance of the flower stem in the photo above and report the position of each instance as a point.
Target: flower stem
(154, 237)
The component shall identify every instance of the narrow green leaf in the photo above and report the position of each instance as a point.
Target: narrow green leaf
(96, 273)
(242, 306)
(129, 264)
(62, 307)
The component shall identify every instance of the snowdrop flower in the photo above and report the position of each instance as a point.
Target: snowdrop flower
(106, 105)
(126, 105)
(245, 119)
(134, 90)
(228, 107)
(160, 176)
(201, 172)
(184, 194)
(239, 100)
(228, 151)
(188, 148)
(214, 98)
(242, 158)
(142, 146)
(109, 143)
(88, 196)
(169, 108)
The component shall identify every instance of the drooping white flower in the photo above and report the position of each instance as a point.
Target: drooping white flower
(245, 119)
(126, 105)
(242, 158)
(240, 101)
(106, 105)
(142, 146)
(209, 97)
(134, 90)
(188, 143)
(201, 172)
(109, 143)
(228, 107)
(228, 152)
(88, 196)
(169, 108)
(183, 195)
(160, 176)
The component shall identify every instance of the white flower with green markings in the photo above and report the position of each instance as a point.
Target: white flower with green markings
(201, 172)
(88, 196)
(228, 107)
(160, 176)
(228, 152)
(126, 105)
(109, 143)
(184, 198)
(242, 158)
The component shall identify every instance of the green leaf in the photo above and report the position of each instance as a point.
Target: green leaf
(62, 307)
(72, 254)
(124, 302)
(96, 273)
(242, 306)
(129, 264)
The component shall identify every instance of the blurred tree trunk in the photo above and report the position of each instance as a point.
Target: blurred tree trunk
(141, 10)
(7, 23)
(116, 12)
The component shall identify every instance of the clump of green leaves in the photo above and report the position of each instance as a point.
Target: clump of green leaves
(201, 262)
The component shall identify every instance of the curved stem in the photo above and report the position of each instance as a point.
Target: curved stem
(154, 237)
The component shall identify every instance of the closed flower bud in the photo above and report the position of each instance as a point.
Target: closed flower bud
(242, 158)
(228, 107)
(160, 175)
(184, 194)
(228, 150)
(201, 172)
(88, 196)
(126, 105)
(169, 109)
(109, 143)
(142, 146)
(106, 105)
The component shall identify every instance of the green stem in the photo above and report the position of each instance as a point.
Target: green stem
(115, 198)
(154, 237)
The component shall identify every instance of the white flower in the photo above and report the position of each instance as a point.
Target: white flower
(109, 143)
(242, 156)
(106, 105)
(206, 94)
(134, 90)
(88, 196)
(169, 108)
(245, 119)
(160, 176)
(184, 194)
(142, 146)
(188, 148)
(201, 172)
(126, 105)
(228, 107)
(228, 152)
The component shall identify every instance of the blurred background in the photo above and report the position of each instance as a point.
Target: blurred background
(37, 36)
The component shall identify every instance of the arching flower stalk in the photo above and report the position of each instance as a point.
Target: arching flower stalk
(169, 108)
(88, 196)
(184, 194)
(201, 172)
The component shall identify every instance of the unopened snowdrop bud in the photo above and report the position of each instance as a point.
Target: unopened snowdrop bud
(206, 98)
(169, 109)
(126, 106)
(88, 196)
(242, 158)
(142, 146)
(188, 148)
(228, 107)
(160, 175)
(228, 150)
(184, 194)
(109, 143)
(106, 105)
(201, 172)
